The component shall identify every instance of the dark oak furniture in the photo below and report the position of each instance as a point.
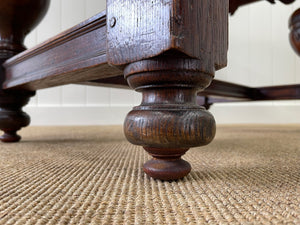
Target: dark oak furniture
(166, 49)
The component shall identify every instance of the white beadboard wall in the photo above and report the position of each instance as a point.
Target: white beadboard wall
(259, 55)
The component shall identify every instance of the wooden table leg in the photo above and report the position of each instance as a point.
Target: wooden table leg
(294, 25)
(168, 122)
(169, 50)
(17, 19)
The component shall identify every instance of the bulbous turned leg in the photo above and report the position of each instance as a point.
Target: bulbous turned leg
(294, 25)
(17, 19)
(12, 118)
(168, 122)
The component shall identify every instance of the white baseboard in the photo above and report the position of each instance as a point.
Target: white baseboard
(238, 113)
(257, 113)
(76, 115)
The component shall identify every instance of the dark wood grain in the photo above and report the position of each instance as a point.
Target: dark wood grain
(78, 54)
(17, 18)
(145, 29)
(282, 92)
(216, 88)
(294, 25)
(168, 122)
(222, 91)
(170, 50)
(227, 89)
(208, 101)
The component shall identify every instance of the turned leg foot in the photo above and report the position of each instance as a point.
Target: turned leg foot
(169, 166)
(12, 118)
(10, 136)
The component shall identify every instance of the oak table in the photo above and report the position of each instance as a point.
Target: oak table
(167, 49)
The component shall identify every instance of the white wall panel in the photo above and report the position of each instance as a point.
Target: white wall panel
(137, 98)
(259, 55)
(94, 6)
(50, 26)
(49, 97)
(238, 54)
(283, 55)
(121, 97)
(260, 45)
(52, 23)
(96, 95)
(72, 13)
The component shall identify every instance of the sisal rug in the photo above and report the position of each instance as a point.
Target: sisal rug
(91, 175)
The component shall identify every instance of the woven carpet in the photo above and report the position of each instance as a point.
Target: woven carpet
(91, 175)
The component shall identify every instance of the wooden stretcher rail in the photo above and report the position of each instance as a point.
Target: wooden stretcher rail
(76, 55)
(222, 91)
(217, 88)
